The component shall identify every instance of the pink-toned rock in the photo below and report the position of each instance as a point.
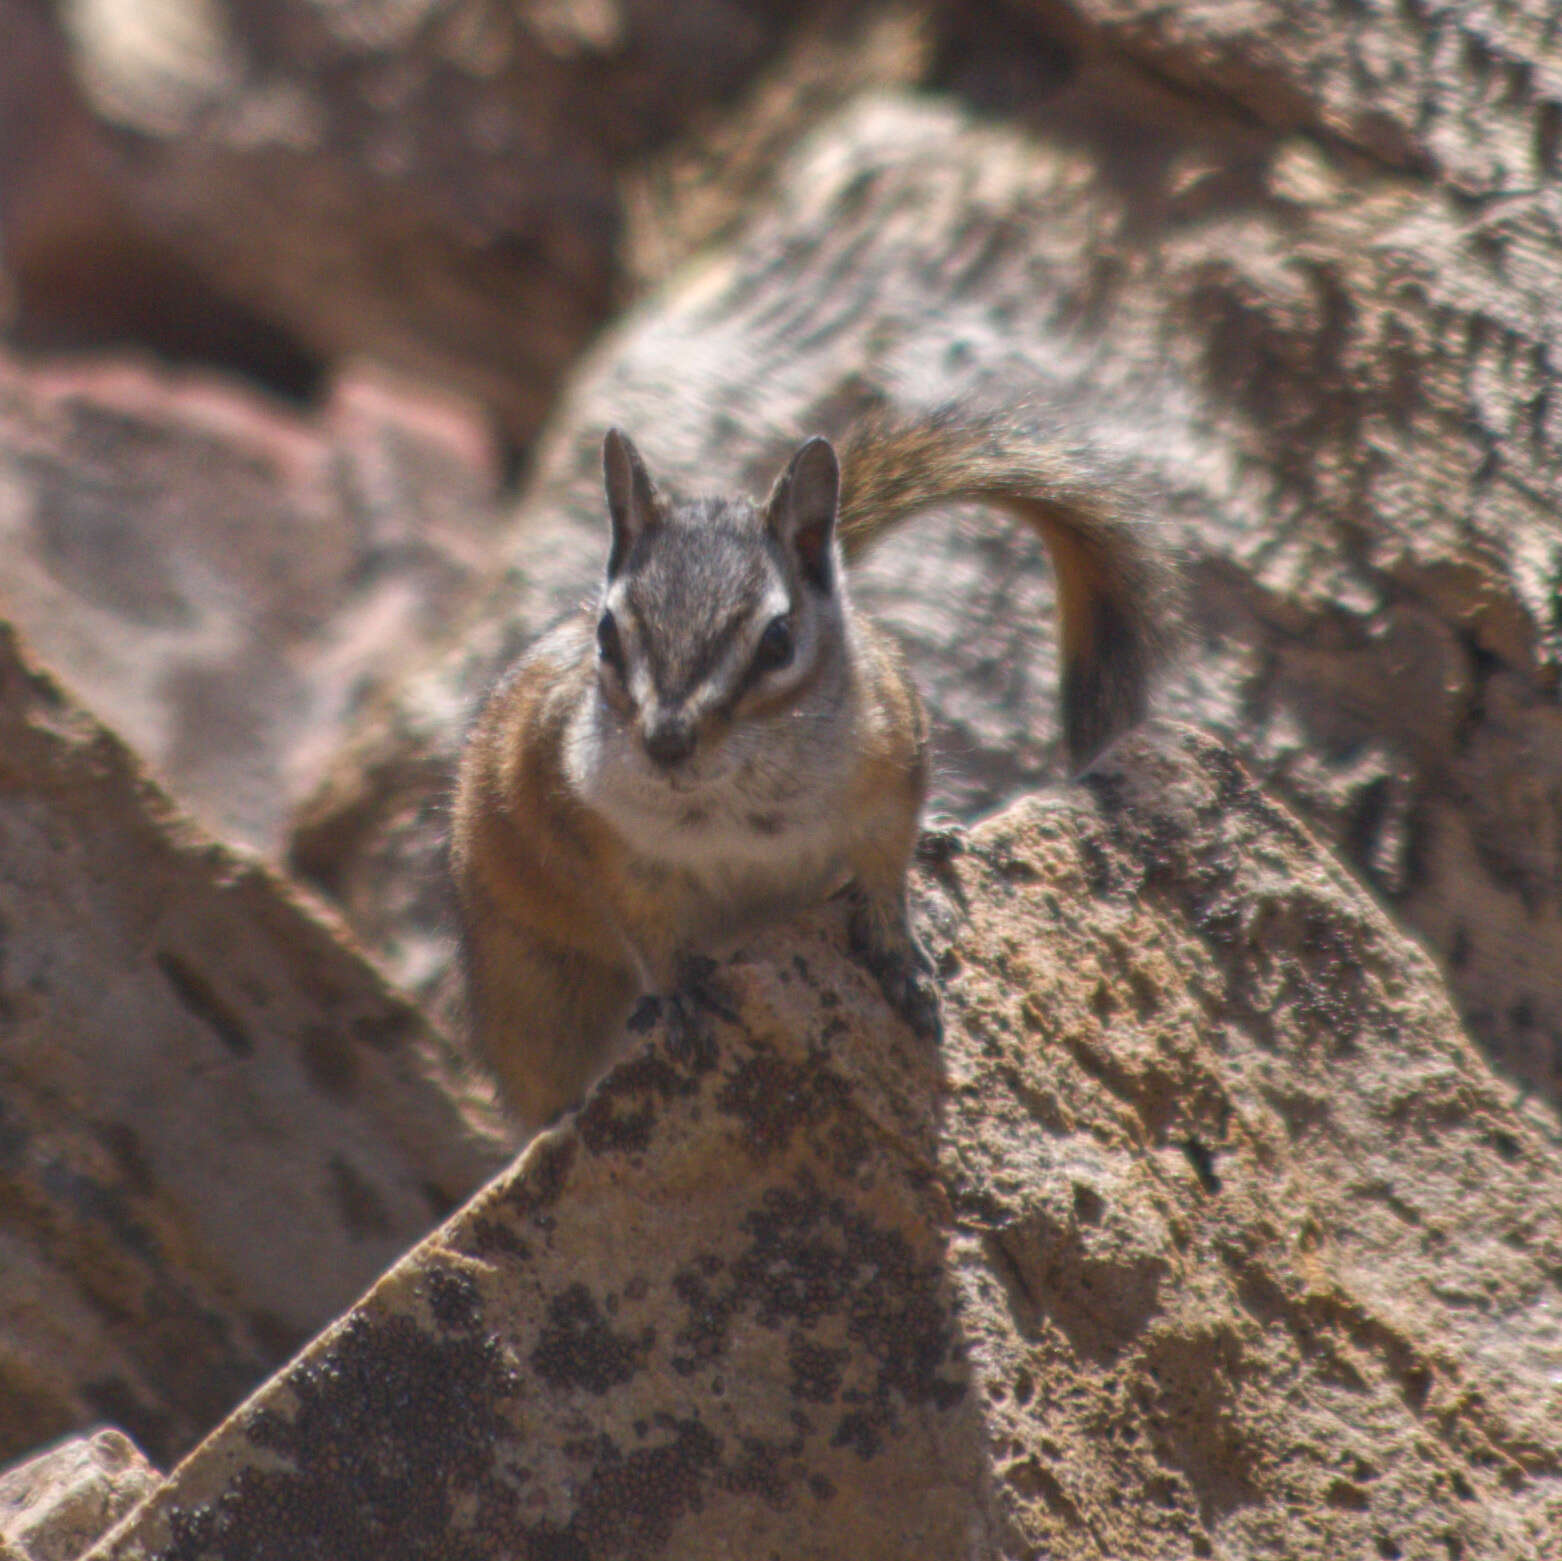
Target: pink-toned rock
(220, 575)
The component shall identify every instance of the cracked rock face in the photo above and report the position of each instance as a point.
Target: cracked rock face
(1205, 1232)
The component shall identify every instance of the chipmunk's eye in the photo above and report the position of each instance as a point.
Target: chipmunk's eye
(775, 646)
(609, 645)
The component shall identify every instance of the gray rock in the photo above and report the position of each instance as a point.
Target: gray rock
(279, 186)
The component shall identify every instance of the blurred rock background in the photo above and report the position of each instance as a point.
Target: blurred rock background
(314, 312)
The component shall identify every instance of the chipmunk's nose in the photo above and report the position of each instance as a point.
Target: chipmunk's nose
(669, 741)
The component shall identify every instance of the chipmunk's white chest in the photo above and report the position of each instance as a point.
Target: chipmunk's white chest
(787, 851)
(750, 837)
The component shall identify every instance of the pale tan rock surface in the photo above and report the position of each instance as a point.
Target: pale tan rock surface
(55, 1505)
(218, 1123)
(1205, 1232)
(220, 575)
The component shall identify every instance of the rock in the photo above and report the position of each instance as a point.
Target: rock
(1472, 93)
(1204, 1231)
(83, 266)
(1324, 379)
(220, 575)
(57, 1503)
(440, 185)
(217, 1121)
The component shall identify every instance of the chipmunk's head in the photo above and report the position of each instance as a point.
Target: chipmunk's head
(721, 627)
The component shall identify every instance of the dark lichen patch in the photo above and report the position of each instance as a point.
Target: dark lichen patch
(631, 1503)
(454, 1298)
(494, 1238)
(817, 1371)
(1327, 994)
(774, 1099)
(620, 1114)
(579, 1349)
(813, 1265)
(764, 1468)
(394, 1429)
(858, 1431)
(539, 1186)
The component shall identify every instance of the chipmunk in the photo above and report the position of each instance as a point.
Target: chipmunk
(722, 738)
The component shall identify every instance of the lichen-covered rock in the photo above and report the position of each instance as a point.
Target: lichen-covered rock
(1325, 381)
(217, 1122)
(1205, 1231)
(57, 1503)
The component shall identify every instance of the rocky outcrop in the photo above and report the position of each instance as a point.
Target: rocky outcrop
(217, 1122)
(1289, 279)
(54, 1506)
(1204, 1232)
(1467, 93)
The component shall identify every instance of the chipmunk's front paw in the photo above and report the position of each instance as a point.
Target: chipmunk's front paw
(883, 943)
(942, 839)
(685, 1013)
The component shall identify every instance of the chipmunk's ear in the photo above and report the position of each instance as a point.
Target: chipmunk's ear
(801, 508)
(633, 503)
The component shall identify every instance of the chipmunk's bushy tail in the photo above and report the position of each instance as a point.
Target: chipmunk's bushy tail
(1117, 593)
